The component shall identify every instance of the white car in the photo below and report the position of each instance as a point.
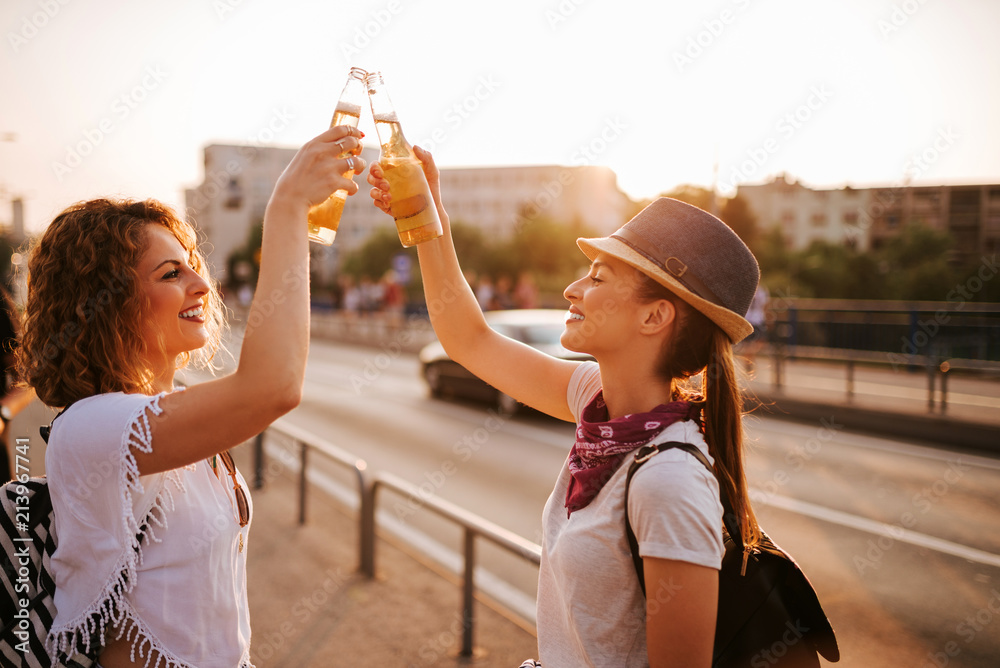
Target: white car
(539, 328)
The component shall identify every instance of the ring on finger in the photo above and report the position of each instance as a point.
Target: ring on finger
(350, 163)
(340, 147)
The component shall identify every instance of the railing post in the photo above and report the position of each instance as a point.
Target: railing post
(303, 464)
(258, 461)
(945, 367)
(930, 386)
(366, 528)
(468, 619)
(779, 356)
(850, 380)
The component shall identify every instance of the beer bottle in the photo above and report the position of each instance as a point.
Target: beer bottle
(325, 217)
(412, 206)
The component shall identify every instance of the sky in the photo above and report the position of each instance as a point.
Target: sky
(119, 97)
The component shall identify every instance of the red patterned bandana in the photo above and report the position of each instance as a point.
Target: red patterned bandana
(602, 444)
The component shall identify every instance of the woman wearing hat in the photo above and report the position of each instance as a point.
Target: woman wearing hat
(664, 301)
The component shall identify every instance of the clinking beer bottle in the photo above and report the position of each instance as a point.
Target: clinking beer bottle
(324, 218)
(412, 206)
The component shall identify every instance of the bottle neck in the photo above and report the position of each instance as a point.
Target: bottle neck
(348, 111)
(390, 133)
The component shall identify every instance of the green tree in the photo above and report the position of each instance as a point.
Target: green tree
(737, 214)
(694, 195)
(919, 256)
(548, 249)
(247, 255)
(374, 258)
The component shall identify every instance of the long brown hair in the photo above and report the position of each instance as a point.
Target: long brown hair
(83, 318)
(699, 347)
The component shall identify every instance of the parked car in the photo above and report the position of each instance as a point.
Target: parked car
(539, 328)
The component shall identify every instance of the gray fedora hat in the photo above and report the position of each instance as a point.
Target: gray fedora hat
(693, 254)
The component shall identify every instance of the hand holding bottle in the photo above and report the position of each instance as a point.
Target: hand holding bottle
(324, 217)
(380, 190)
(318, 169)
(412, 206)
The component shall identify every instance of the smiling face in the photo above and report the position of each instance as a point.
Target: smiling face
(604, 313)
(176, 294)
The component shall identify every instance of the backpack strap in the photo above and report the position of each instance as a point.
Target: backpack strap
(643, 455)
(46, 429)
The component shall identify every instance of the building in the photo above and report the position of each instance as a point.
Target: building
(232, 198)
(867, 217)
(969, 213)
(497, 200)
(805, 215)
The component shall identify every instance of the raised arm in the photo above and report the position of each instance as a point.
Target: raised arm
(528, 375)
(213, 416)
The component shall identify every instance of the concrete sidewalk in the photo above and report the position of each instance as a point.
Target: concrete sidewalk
(311, 608)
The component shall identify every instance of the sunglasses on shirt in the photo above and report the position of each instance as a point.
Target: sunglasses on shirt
(242, 505)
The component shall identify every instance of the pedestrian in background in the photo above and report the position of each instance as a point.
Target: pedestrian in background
(13, 399)
(664, 301)
(151, 515)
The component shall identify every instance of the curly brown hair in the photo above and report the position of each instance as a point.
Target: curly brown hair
(82, 331)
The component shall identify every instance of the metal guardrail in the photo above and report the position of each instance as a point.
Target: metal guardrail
(368, 484)
(936, 368)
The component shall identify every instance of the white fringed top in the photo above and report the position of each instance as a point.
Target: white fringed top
(178, 594)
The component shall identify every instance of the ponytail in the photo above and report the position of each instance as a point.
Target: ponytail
(722, 417)
(699, 346)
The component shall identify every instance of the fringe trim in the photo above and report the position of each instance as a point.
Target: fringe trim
(111, 608)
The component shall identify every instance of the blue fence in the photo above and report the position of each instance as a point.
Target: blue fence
(963, 330)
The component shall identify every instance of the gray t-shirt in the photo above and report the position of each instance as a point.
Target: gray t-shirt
(591, 611)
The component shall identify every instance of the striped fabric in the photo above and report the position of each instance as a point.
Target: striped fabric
(28, 545)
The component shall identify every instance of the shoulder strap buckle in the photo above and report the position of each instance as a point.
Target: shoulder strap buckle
(645, 453)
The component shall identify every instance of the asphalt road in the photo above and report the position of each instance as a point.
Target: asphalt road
(902, 542)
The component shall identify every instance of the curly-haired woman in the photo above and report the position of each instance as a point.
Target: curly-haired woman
(151, 516)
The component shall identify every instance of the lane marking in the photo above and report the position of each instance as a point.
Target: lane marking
(893, 531)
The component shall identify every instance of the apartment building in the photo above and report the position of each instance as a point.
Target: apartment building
(867, 217)
(497, 200)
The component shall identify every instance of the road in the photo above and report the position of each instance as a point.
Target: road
(901, 541)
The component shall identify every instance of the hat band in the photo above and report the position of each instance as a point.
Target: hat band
(677, 268)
